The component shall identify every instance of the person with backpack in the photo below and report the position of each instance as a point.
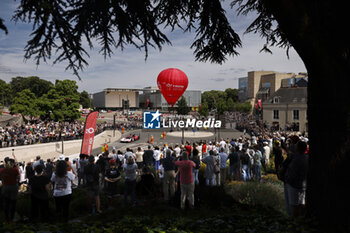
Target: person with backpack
(92, 175)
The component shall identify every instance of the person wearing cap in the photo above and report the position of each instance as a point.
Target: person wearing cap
(267, 152)
(186, 179)
(112, 176)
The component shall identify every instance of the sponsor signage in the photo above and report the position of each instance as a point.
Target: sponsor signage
(152, 120)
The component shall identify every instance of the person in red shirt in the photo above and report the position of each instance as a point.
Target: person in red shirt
(188, 148)
(204, 149)
(186, 179)
(9, 176)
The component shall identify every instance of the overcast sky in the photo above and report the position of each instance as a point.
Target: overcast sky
(128, 68)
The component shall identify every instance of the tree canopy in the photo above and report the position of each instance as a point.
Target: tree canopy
(35, 84)
(38, 97)
(25, 103)
(182, 107)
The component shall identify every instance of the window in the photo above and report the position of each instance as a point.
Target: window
(267, 84)
(276, 114)
(295, 114)
(276, 99)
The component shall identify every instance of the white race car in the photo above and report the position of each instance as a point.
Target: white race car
(130, 138)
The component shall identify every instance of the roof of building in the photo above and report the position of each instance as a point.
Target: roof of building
(289, 95)
(302, 83)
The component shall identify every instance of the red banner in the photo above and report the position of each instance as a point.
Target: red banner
(89, 133)
(259, 103)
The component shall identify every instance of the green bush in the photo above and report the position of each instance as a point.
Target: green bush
(268, 194)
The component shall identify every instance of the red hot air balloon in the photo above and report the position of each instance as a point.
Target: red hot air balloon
(172, 83)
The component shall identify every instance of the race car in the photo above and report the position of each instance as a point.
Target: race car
(130, 138)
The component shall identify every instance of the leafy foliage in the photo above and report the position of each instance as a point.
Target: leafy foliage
(61, 103)
(230, 105)
(2, 26)
(182, 107)
(263, 194)
(85, 100)
(25, 103)
(5, 93)
(204, 109)
(60, 27)
(244, 107)
(221, 106)
(218, 212)
(35, 84)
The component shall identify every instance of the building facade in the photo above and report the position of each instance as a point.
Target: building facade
(116, 98)
(243, 89)
(157, 101)
(287, 109)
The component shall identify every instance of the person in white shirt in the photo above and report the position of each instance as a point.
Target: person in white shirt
(177, 150)
(222, 143)
(156, 156)
(199, 148)
(62, 192)
(267, 152)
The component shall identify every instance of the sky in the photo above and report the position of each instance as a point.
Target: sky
(129, 69)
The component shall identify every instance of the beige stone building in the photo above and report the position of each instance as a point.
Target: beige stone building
(263, 84)
(287, 108)
(116, 98)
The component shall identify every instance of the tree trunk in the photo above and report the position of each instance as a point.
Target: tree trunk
(315, 31)
(328, 193)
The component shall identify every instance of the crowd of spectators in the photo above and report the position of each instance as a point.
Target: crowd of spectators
(42, 132)
(176, 167)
